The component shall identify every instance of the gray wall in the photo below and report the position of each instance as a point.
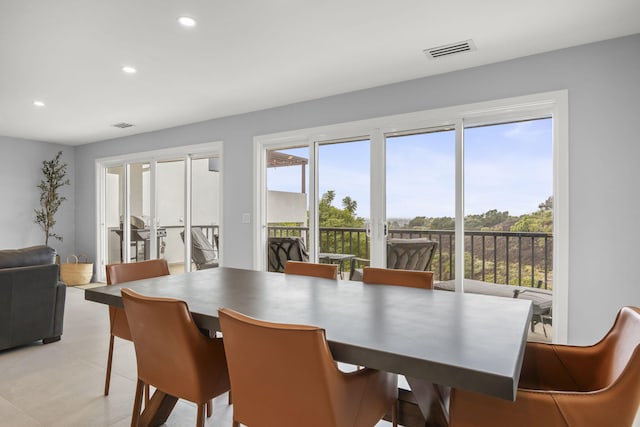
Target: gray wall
(604, 94)
(20, 173)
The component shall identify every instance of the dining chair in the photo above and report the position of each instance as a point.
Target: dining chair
(327, 271)
(172, 354)
(565, 385)
(118, 325)
(284, 375)
(388, 276)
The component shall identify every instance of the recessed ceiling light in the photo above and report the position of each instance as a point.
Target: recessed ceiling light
(187, 21)
(38, 103)
(129, 69)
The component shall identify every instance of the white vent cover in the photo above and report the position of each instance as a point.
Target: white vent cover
(450, 49)
(122, 125)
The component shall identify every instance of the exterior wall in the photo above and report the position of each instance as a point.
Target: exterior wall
(604, 103)
(20, 173)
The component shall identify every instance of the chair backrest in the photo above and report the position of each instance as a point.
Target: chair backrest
(619, 347)
(409, 278)
(410, 254)
(283, 249)
(327, 271)
(120, 273)
(170, 350)
(280, 374)
(202, 251)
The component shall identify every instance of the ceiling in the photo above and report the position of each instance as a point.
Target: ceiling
(249, 55)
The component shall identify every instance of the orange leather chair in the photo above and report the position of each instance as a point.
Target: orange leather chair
(563, 385)
(388, 276)
(327, 271)
(120, 273)
(172, 354)
(284, 375)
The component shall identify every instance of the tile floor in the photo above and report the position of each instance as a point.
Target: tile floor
(61, 384)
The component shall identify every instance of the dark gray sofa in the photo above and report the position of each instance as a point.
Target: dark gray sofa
(31, 297)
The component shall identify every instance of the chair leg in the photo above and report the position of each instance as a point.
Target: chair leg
(230, 401)
(235, 424)
(200, 420)
(137, 404)
(209, 408)
(394, 413)
(107, 380)
(147, 395)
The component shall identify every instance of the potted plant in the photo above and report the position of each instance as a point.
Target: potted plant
(54, 172)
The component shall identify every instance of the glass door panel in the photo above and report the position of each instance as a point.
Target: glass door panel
(139, 211)
(508, 217)
(344, 201)
(420, 192)
(170, 202)
(114, 213)
(287, 195)
(205, 212)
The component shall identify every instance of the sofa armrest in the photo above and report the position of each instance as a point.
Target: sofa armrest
(30, 307)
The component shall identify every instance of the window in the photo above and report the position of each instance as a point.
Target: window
(428, 176)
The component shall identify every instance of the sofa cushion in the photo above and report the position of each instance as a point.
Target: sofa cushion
(34, 255)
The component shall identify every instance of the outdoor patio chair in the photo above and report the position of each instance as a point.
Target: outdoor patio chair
(402, 254)
(203, 254)
(283, 249)
(565, 385)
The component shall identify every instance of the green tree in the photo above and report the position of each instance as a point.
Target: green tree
(443, 223)
(539, 221)
(350, 205)
(419, 221)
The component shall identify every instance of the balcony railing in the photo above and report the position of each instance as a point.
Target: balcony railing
(515, 258)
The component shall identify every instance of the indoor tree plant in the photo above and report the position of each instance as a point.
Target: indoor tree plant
(54, 172)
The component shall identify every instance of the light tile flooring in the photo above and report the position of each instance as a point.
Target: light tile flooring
(61, 384)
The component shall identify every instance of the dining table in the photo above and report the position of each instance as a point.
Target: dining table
(437, 339)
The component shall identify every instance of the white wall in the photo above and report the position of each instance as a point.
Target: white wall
(20, 173)
(604, 105)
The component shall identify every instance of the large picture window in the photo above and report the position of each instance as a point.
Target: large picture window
(486, 182)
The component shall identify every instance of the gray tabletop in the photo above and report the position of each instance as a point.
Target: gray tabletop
(474, 342)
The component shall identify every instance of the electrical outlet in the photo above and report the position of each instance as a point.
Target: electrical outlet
(246, 218)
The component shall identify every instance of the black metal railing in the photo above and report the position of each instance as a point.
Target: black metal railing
(515, 258)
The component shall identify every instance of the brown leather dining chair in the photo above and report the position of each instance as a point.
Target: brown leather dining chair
(387, 276)
(284, 375)
(172, 354)
(568, 386)
(118, 325)
(327, 271)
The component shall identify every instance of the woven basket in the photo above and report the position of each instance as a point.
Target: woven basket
(78, 272)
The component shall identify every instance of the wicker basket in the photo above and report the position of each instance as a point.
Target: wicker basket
(78, 272)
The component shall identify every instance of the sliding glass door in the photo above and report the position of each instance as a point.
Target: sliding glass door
(148, 208)
(478, 181)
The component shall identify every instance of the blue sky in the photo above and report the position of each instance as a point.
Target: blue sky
(507, 167)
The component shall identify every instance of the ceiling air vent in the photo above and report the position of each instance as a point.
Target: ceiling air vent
(450, 49)
(122, 125)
